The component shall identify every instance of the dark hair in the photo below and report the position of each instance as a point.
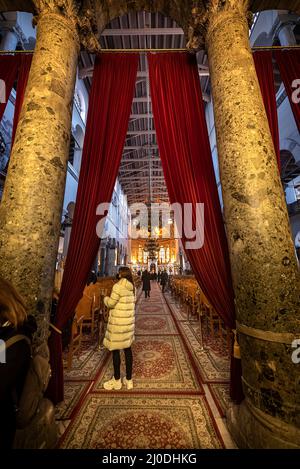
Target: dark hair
(125, 272)
(12, 306)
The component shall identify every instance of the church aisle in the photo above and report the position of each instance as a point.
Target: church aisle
(173, 404)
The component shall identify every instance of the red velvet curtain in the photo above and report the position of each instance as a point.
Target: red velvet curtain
(289, 65)
(25, 64)
(188, 168)
(264, 69)
(109, 110)
(9, 65)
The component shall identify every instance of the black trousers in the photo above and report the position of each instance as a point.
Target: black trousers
(8, 426)
(117, 363)
(147, 293)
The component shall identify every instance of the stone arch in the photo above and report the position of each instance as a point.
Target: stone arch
(179, 11)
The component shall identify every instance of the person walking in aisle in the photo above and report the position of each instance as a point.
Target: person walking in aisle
(120, 328)
(159, 276)
(146, 283)
(164, 280)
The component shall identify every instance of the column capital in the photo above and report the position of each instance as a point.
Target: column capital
(79, 13)
(206, 15)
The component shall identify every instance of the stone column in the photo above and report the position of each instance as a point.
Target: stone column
(264, 267)
(30, 211)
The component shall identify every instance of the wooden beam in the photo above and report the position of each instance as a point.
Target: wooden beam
(143, 32)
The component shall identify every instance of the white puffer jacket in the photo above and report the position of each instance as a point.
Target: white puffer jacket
(120, 327)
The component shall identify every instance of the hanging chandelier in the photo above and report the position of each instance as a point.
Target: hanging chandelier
(152, 248)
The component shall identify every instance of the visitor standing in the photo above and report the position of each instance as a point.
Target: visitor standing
(146, 283)
(119, 333)
(164, 280)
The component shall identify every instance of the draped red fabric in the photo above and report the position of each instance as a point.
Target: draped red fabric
(289, 66)
(25, 64)
(109, 110)
(9, 65)
(187, 163)
(264, 69)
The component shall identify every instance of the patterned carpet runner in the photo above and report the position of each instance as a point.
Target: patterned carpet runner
(180, 392)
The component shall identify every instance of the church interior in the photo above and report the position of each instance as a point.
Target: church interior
(150, 171)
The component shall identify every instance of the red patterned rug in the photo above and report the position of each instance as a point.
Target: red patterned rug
(86, 361)
(159, 363)
(167, 407)
(220, 393)
(154, 324)
(124, 422)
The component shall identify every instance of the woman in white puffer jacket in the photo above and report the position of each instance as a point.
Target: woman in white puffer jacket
(120, 327)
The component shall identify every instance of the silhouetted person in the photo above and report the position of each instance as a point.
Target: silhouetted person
(146, 283)
(164, 280)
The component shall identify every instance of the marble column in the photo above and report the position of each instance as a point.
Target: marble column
(264, 267)
(31, 207)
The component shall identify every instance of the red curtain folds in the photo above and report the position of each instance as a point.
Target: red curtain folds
(109, 110)
(264, 69)
(25, 64)
(289, 66)
(9, 65)
(188, 168)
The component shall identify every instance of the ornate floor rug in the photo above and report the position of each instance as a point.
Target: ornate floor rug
(220, 393)
(160, 363)
(154, 324)
(123, 422)
(213, 367)
(152, 307)
(74, 391)
(86, 362)
(180, 313)
(167, 407)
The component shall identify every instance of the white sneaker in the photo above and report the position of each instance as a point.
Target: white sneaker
(128, 383)
(113, 384)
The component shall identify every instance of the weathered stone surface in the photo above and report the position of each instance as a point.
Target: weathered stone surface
(30, 211)
(264, 267)
(265, 273)
(254, 429)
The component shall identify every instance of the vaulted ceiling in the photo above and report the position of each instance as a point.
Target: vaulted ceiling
(141, 174)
